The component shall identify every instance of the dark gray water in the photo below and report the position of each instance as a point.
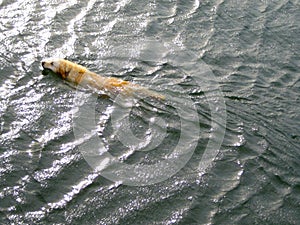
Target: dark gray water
(230, 72)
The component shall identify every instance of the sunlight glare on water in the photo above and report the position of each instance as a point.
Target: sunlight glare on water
(230, 73)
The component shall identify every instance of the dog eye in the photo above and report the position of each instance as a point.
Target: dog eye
(52, 63)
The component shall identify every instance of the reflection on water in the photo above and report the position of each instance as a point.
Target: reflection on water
(252, 50)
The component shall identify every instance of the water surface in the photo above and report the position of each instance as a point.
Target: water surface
(252, 50)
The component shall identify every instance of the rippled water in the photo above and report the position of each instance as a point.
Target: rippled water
(245, 54)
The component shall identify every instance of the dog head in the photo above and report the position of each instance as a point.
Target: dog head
(64, 68)
(52, 65)
(61, 67)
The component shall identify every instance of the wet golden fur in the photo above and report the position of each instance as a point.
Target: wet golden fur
(80, 75)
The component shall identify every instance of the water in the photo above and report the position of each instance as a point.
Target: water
(244, 53)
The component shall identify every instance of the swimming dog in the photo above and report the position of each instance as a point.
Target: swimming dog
(81, 76)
